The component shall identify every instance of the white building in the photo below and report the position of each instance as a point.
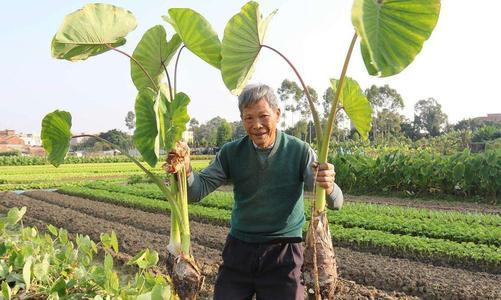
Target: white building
(31, 139)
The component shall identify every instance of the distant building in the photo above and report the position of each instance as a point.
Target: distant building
(31, 139)
(11, 140)
(7, 132)
(26, 144)
(496, 118)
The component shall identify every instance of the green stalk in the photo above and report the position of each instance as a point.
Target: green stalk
(314, 113)
(175, 230)
(324, 147)
(136, 62)
(185, 222)
(176, 216)
(175, 67)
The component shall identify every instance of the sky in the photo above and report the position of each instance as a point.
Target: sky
(458, 66)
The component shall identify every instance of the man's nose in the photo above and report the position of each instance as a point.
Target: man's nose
(257, 124)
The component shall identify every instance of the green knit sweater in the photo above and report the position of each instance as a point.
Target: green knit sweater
(268, 193)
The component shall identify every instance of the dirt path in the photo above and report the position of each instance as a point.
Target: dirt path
(137, 230)
(429, 204)
(412, 202)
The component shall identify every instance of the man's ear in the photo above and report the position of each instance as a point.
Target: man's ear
(278, 112)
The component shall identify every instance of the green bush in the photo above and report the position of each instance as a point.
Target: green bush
(464, 173)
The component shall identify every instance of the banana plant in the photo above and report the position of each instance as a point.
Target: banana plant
(161, 111)
(392, 33)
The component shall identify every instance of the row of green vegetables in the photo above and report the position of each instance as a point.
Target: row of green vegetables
(483, 253)
(35, 265)
(75, 172)
(42, 160)
(464, 173)
(476, 228)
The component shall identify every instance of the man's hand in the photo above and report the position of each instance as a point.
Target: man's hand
(177, 157)
(325, 176)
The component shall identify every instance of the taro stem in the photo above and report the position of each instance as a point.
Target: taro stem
(183, 204)
(314, 113)
(324, 147)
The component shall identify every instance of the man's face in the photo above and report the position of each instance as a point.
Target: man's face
(260, 122)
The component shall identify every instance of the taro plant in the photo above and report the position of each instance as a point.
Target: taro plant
(36, 265)
(392, 33)
(161, 111)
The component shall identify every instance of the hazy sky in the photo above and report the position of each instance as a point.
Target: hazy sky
(459, 65)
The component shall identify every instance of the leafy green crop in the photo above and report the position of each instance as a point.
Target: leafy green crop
(51, 266)
(463, 173)
(429, 235)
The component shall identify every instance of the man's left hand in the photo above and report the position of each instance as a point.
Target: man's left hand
(325, 176)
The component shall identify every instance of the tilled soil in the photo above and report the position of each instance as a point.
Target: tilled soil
(428, 204)
(137, 230)
(462, 206)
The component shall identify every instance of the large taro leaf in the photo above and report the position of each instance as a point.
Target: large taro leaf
(355, 104)
(56, 135)
(393, 32)
(173, 117)
(87, 31)
(197, 34)
(243, 37)
(146, 137)
(152, 52)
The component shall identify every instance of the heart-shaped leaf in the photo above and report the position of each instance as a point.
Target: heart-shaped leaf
(243, 37)
(393, 32)
(197, 34)
(174, 117)
(56, 135)
(92, 30)
(152, 52)
(355, 104)
(146, 133)
(15, 215)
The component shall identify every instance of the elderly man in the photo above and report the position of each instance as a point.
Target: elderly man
(269, 170)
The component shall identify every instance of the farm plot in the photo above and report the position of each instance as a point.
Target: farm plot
(419, 275)
(47, 176)
(444, 238)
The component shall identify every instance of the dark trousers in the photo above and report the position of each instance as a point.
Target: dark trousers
(272, 271)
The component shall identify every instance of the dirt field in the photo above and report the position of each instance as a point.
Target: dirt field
(376, 276)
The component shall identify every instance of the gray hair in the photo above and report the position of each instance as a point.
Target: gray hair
(252, 93)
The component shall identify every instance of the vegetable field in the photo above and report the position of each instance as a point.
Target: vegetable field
(46, 176)
(383, 250)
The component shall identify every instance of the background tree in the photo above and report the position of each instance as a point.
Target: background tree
(130, 120)
(238, 130)
(428, 116)
(290, 94)
(302, 104)
(386, 104)
(299, 130)
(468, 124)
(117, 137)
(224, 133)
(206, 134)
(408, 129)
(338, 133)
(194, 126)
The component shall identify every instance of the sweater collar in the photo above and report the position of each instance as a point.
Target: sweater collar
(273, 148)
